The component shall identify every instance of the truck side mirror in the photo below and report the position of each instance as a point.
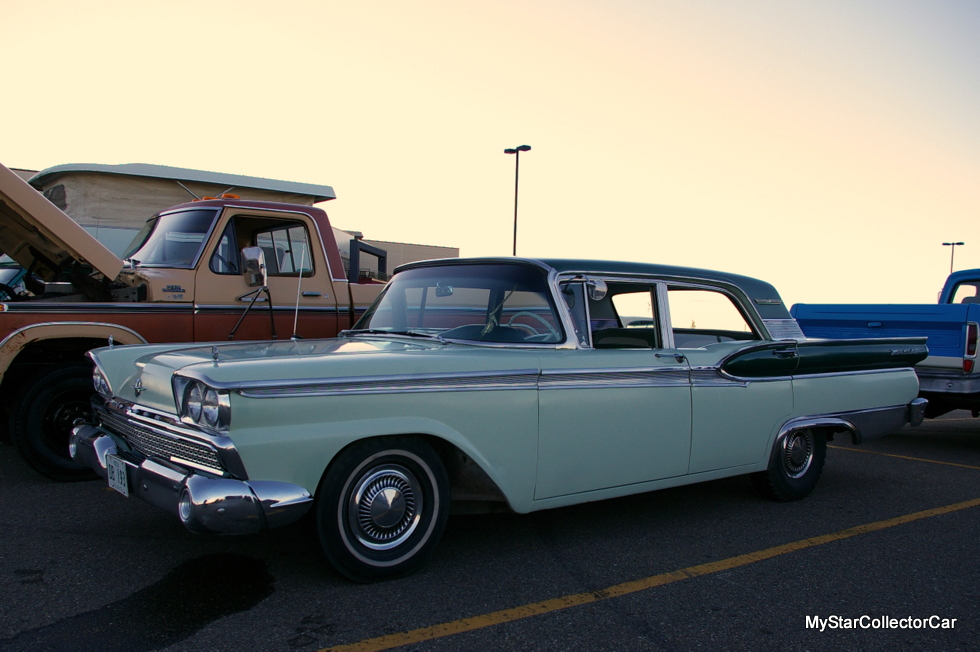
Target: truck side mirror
(253, 267)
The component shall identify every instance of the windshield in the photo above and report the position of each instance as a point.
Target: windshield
(172, 240)
(481, 303)
(10, 274)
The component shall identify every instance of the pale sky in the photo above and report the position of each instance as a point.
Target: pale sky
(826, 147)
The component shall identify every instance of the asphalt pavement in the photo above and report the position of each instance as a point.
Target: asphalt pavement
(882, 556)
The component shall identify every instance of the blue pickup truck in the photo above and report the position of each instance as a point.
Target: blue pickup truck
(949, 377)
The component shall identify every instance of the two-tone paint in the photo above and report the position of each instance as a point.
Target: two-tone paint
(533, 425)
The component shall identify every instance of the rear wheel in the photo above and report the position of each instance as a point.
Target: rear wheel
(795, 465)
(42, 415)
(382, 507)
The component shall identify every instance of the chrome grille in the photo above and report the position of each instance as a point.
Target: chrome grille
(152, 443)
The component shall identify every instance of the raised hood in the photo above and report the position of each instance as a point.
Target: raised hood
(32, 229)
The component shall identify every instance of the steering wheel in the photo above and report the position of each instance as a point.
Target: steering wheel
(7, 293)
(526, 313)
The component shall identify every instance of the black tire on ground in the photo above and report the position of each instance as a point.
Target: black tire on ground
(382, 507)
(795, 465)
(41, 418)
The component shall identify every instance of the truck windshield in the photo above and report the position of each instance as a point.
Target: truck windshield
(173, 239)
(502, 303)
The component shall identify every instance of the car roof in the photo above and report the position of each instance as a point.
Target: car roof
(763, 294)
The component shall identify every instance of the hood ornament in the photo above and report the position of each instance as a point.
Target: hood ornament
(138, 387)
(214, 354)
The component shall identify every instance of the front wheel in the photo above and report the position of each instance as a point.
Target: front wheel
(795, 465)
(42, 415)
(382, 507)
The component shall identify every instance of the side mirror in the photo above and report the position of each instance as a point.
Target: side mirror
(596, 288)
(253, 268)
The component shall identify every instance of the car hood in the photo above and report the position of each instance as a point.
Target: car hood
(143, 374)
(33, 230)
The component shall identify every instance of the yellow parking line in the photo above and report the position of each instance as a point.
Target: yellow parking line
(578, 599)
(903, 457)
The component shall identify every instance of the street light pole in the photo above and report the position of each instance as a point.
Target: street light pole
(517, 176)
(952, 250)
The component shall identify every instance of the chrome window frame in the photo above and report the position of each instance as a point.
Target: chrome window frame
(561, 311)
(753, 319)
(663, 285)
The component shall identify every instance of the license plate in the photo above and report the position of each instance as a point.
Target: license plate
(116, 473)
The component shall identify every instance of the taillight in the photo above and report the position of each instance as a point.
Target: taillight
(972, 333)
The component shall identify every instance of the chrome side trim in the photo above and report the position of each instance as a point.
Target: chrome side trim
(404, 384)
(519, 379)
(29, 307)
(620, 378)
(714, 377)
(859, 372)
(237, 309)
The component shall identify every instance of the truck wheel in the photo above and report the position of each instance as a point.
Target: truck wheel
(794, 466)
(382, 507)
(41, 420)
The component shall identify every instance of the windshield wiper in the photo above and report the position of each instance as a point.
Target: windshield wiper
(381, 331)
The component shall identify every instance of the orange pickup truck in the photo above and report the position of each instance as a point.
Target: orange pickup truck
(216, 269)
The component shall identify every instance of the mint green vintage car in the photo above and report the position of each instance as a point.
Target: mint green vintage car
(479, 383)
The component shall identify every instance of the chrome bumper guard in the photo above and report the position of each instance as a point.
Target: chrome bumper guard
(203, 504)
(872, 424)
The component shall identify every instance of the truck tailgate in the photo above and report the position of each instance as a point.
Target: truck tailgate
(943, 325)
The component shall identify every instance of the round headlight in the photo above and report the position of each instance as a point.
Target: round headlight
(210, 407)
(194, 400)
(100, 384)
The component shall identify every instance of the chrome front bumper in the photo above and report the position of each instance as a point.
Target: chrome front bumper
(203, 503)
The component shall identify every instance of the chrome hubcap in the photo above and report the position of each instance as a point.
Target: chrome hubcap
(385, 507)
(797, 453)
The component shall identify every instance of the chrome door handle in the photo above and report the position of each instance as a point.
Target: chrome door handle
(679, 358)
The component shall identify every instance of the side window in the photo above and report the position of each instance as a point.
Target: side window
(574, 296)
(287, 250)
(626, 318)
(700, 317)
(224, 260)
(966, 293)
(635, 309)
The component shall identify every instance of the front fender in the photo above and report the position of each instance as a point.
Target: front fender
(301, 453)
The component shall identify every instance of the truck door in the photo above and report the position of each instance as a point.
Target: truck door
(298, 281)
